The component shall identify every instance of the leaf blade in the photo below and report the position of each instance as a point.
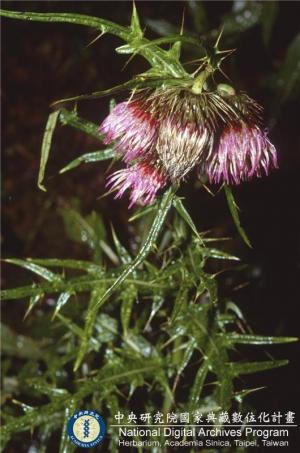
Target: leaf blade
(46, 146)
(235, 214)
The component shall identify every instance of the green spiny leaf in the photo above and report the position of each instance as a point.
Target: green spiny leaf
(234, 338)
(218, 254)
(32, 302)
(210, 285)
(43, 387)
(186, 217)
(235, 214)
(157, 302)
(152, 52)
(72, 119)
(77, 285)
(61, 301)
(67, 116)
(65, 263)
(142, 212)
(198, 384)
(102, 25)
(46, 145)
(225, 383)
(187, 355)
(135, 27)
(128, 297)
(123, 254)
(175, 50)
(39, 270)
(96, 156)
(239, 396)
(90, 319)
(236, 369)
(181, 301)
(65, 445)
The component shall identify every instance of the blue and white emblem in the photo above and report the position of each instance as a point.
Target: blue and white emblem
(86, 429)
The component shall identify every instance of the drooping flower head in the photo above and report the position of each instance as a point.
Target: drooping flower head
(162, 134)
(143, 179)
(132, 126)
(243, 149)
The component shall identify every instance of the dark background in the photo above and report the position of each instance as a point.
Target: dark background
(45, 62)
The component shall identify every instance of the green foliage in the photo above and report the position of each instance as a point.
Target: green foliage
(96, 156)
(233, 207)
(121, 324)
(110, 348)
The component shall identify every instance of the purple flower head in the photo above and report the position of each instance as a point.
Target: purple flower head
(143, 180)
(134, 129)
(163, 134)
(243, 151)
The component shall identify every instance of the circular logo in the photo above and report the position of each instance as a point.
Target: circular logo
(86, 429)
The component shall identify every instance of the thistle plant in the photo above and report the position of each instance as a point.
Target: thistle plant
(142, 331)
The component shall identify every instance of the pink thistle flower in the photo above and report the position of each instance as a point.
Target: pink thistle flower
(173, 128)
(164, 133)
(143, 179)
(133, 127)
(243, 151)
